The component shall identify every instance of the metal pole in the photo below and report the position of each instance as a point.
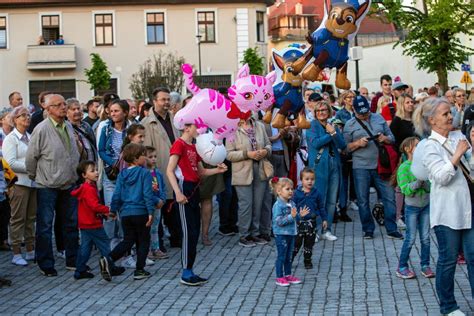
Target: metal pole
(199, 53)
(357, 66)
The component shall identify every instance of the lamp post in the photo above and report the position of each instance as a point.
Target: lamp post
(356, 42)
(199, 36)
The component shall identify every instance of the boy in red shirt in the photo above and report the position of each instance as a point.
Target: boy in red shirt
(90, 215)
(184, 172)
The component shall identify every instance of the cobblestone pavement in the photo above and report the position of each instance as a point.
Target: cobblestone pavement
(351, 276)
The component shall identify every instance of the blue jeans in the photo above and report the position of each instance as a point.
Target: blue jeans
(112, 228)
(450, 242)
(95, 236)
(285, 245)
(362, 179)
(416, 218)
(51, 201)
(332, 190)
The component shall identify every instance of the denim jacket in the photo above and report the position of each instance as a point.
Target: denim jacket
(282, 221)
(106, 152)
(313, 200)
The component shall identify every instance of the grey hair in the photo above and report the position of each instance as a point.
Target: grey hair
(48, 97)
(16, 112)
(175, 98)
(422, 114)
(71, 102)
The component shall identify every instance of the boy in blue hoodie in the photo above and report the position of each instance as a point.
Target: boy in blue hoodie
(306, 195)
(133, 200)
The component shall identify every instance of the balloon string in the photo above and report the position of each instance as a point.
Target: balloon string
(187, 197)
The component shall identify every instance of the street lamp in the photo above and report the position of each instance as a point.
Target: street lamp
(199, 36)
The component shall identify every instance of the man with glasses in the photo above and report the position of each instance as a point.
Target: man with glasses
(361, 134)
(160, 133)
(386, 86)
(51, 161)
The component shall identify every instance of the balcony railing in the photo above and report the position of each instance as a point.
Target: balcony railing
(45, 57)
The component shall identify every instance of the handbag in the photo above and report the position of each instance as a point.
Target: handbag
(267, 168)
(113, 170)
(384, 156)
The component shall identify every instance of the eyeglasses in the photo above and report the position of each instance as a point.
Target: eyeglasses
(322, 111)
(461, 96)
(24, 115)
(349, 97)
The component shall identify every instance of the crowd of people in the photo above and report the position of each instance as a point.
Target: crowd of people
(140, 181)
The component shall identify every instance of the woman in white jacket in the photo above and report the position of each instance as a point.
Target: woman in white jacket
(450, 198)
(23, 194)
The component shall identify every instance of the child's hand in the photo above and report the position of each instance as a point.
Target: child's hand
(112, 216)
(181, 198)
(150, 220)
(325, 225)
(221, 168)
(304, 211)
(293, 212)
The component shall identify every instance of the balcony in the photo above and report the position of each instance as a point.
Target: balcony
(49, 57)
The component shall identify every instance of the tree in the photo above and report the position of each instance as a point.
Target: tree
(433, 33)
(162, 70)
(254, 60)
(98, 76)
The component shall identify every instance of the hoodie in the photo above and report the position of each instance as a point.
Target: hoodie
(313, 200)
(89, 206)
(133, 194)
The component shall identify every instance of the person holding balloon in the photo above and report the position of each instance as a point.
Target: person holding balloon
(184, 173)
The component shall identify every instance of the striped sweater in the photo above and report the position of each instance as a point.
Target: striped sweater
(416, 191)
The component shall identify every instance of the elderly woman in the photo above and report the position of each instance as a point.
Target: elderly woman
(23, 193)
(250, 171)
(85, 138)
(442, 162)
(324, 142)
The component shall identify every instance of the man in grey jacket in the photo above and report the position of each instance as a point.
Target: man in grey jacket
(51, 161)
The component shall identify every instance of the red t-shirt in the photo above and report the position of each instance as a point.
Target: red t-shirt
(387, 115)
(189, 159)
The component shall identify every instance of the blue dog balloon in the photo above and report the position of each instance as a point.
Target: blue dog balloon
(287, 90)
(330, 42)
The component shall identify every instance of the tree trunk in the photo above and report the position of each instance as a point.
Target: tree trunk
(443, 77)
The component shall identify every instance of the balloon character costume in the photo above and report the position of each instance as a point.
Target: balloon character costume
(330, 42)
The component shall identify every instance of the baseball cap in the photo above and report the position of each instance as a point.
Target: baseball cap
(361, 105)
(315, 97)
(399, 85)
(109, 98)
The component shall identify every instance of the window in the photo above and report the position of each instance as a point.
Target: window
(50, 27)
(66, 88)
(113, 88)
(155, 28)
(260, 27)
(3, 32)
(207, 27)
(104, 34)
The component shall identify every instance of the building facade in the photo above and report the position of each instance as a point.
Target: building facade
(125, 34)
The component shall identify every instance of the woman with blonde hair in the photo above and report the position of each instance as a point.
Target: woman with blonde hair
(345, 101)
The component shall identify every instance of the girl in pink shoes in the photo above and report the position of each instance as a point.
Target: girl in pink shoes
(284, 215)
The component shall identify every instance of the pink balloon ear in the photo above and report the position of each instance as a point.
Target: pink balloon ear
(243, 72)
(271, 77)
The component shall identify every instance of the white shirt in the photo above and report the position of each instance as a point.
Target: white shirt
(450, 200)
(14, 152)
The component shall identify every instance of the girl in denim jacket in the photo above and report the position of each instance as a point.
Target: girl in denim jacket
(284, 228)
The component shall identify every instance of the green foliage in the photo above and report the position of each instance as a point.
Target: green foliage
(98, 76)
(254, 60)
(432, 32)
(162, 70)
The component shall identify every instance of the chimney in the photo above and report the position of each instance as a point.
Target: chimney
(299, 8)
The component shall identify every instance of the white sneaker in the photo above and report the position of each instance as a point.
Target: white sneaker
(30, 255)
(129, 263)
(456, 313)
(19, 261)
(149, 262)
(329, 236)
(372, 190)
(61, 254)
(401, 225)
(353, 206)
(316, 238)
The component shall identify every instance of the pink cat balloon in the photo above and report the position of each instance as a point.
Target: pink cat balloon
(210, 109)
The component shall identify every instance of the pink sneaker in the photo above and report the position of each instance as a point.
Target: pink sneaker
(293, 280)
(282, 282)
